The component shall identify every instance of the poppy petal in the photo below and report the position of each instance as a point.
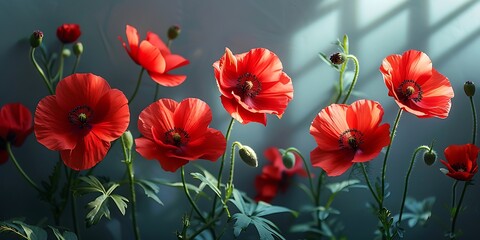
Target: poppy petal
(87, 153)
(151, 58)
(334, 163)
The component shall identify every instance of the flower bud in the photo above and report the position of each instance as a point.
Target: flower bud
(173, 32)
(429, 157)
(36, 38)
(469, 88)
(337, 58)
(78, 49)
(288, 159)
(127, 139)
(66, 52)
(248, 155)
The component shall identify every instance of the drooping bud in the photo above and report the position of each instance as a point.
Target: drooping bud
(288, 159)
(173, 32)
(429, 157)
(36, 38)
(337, 58)
(248, 155)
(78, 49)
(127, 139)
(469, 88)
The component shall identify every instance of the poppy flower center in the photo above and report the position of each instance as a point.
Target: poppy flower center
(351, 138)
(81, 117)
(410, 89)
(177, 137)
(249, 85)
(459, 167)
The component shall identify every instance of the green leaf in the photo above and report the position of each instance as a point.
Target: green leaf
(66, 234)
(94, 184)
(241, 223)
(208, 180)
(99, 208)
(265, 229)
(343, 186)
(32, 232)
(150, 189)
(120, 201)
(264, 209)
(307, 191)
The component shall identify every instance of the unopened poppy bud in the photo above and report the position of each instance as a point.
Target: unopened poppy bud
(429, 157)
(337, 58)
(78, 49)
(469, 88)
(127, 139)
(36, 38)
(173, 32)
(288, 159)
(66, 52)
(248, 155)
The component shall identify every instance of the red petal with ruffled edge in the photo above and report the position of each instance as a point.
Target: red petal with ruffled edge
(89, 151)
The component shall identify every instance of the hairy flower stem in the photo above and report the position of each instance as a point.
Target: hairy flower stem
(29, 180)
(139, 80)
(72, 181)
(230, 178)
(75, 65)
(222, 163)
(355, 77)
(407, 177)
(342, 69)
(364, 170)
(384, 168)
(187, 193)
(40, 71)
(457, 210)
(474, 113)
(127, 152)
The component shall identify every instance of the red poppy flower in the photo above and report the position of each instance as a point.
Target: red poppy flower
(153, 55)
(416, 86)
(82, 119)
(276, 176)
(176, 133)
(253, 84)
(348, 134)
(461, 161)
(15, 126)
(68, 33)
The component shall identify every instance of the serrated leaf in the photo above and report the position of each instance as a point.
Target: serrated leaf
(65, 236)
(342, 186)
(264, 209)
(93, 182)
(150, 189)
(120, 201)
(241, 223)
(207, 180)
(99, 208)
(32, 232)
(265, 231)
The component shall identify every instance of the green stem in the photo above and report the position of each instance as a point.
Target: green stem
(454, 191)
(29, 180)
(222, 163)
(155, 96)
(355, 77)
(194, 205)
(77, 61)
(232, 167)
(131, 178)
(407, 177)
(292, 149)
(139, 80)
(340, 80)
(72, 181)
(40, 71)
(457, 210)
(474, 113)
(60, 67)
(369, 184)
(384, 168)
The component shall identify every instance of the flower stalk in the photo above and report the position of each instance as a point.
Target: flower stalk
(19, 168)
(40, 71)
(139, 80)
(127, 152)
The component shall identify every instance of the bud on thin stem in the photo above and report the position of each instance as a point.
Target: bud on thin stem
(173, 32)
(36, 39)
(469, 88)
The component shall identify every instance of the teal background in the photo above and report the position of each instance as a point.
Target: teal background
(448, 31)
